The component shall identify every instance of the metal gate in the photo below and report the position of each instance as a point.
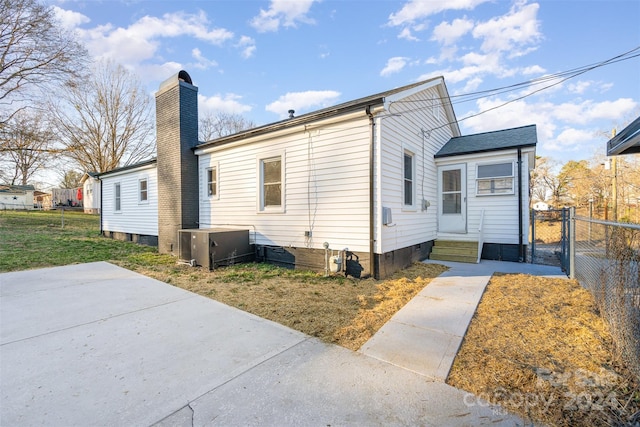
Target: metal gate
(550, 237)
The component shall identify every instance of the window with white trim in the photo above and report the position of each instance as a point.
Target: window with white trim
(494, 179)
(143, 190)
(117, 197)
(408, 179)
(271, 184)
(212, 182)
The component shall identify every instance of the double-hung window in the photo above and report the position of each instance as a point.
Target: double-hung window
(117, 200)
(212, 182)
(271, 184)
(143, 190)
(494, 178)
(408, 179)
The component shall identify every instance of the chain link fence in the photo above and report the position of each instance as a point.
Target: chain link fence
(548, 236)
(606, 258)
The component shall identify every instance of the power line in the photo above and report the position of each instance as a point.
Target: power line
(556, 78)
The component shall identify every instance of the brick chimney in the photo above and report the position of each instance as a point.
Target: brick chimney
(177, 135)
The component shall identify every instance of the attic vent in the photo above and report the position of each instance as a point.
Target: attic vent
(291, 112)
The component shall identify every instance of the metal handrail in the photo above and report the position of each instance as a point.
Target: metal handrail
(480, 236)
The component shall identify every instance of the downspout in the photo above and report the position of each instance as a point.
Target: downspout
(372, 263)
(101, 229)
(521, 254)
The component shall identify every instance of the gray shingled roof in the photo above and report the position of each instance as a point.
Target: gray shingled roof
(506, 139)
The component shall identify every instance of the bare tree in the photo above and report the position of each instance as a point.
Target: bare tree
(35, 53)
(71, 179)
(546, 185)
(105, 122)
(217, 125)
(30, 140)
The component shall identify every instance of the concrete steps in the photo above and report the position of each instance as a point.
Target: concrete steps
(452, 250)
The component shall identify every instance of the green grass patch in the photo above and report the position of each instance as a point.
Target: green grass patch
(36, 239)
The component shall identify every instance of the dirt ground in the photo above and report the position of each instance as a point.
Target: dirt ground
(538, 347)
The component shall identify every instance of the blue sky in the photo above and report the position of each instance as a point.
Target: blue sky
(262, 58)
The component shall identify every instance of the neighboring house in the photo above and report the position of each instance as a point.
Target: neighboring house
(540, 206)
(42, 200)
(91, 192)
(368, 185)
(16, 196)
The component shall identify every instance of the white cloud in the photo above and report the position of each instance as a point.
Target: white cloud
(571, 137)
(508, 33)
(302, 101)
(142, 39)
(533, 69)
(286, 13)
(447, 33)
(202, 62)
(70, 19)
(407, 35)
(579, 87)
(548, 117)
(394, 65)
(419, 9)
(247, 46)
(229, 103)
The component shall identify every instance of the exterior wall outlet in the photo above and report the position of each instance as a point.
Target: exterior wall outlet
(307, 233)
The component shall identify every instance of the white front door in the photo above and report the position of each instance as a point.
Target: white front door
(452, 198)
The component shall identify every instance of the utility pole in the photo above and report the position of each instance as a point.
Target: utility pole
(614, 183)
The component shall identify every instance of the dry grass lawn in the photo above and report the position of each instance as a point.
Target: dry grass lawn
(538, 347)
(339, 310)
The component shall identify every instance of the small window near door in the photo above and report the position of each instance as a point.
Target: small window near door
(494, 179)
(408, 168)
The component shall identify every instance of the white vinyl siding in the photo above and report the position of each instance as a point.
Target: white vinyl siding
(417, 130)
(133, 217)
(500, 210)
(325, 187)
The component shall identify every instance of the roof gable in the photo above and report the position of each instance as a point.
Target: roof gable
(505, 139)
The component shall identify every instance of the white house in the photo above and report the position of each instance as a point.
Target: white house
(540, 206)
(91, 192)
(371, 184)
(16, 197)
(130, 203)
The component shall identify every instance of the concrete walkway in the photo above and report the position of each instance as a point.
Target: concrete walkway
(425, 335)
(95, 344)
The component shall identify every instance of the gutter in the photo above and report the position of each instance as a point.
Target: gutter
(521, 252)
(101, 207)
(372, 124)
